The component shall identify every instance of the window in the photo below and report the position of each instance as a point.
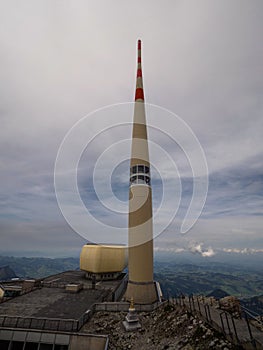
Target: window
(139, 178)
(61, 347)
(133, 179)
(140, 168)
(46, 346)
(31, 346)
(17, 345)
(4, 344)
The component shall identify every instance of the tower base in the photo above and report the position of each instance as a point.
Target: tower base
(141, 292)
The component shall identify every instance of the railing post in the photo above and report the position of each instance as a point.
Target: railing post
(30, 323)
(205, 312)
(250, 332)
(193, 302)
(228, 325)
(222, 322)
(189, 299)
(198, 303)
(234, 326)
(209, 314)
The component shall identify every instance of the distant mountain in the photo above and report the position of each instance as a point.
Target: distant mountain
(209, 278)
(6, 273)
(176, 278)
(38, 267)
(218, 294)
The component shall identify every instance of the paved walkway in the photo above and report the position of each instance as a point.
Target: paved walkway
(238, 331)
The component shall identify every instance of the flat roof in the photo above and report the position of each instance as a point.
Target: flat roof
(55, 302)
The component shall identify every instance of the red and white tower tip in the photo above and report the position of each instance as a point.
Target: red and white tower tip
(139, 96)
(141, 286)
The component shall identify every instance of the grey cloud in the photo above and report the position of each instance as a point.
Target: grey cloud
(202, 60)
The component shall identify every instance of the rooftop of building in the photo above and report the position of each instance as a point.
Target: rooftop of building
(51, 299)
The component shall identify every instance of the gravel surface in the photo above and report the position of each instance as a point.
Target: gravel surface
(168, 327)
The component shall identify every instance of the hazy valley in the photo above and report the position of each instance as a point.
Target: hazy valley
(175, 276)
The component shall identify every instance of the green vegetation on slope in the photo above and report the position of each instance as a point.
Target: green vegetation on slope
(203, 279)
(38, 267)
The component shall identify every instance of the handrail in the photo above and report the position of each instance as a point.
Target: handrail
(252, 316)
(66, 324)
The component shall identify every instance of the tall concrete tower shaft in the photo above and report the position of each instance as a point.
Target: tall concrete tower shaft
(141, 286)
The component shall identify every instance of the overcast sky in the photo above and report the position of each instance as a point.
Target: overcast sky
(64, 62)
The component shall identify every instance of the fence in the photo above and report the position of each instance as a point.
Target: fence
(124, 307)
(238, 331)
(118, 292)
(54, 324)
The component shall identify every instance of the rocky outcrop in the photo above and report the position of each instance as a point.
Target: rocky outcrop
(231, 304)
(168, 327)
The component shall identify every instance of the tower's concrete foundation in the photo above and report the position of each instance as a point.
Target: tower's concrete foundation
(141, 292)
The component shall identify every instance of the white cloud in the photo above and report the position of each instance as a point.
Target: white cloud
(209, 252)
(169, 250)
(195, 247)
(242, 251)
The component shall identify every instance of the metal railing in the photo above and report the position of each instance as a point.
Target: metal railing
(124, 306)
(227, 324)
(55, 324)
